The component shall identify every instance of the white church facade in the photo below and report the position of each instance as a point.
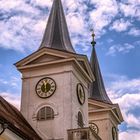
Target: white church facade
(63, 94)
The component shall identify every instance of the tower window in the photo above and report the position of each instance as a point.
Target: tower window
(80, 120)
(45, 113)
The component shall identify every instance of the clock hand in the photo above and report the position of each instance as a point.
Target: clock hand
(81, 95)
(45, 83)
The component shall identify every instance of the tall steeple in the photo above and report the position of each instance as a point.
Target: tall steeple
(56, 33)
(97, 88)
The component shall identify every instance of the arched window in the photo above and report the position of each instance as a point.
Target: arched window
(45, 113)
(80, 119)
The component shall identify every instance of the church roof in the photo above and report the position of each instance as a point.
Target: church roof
(56, 33)
(97, 88)
(16, 122)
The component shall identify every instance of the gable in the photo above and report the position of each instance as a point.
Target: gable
(40, 56)
(117, 111)
(44, 58)
(84, 63)
(95, 106)
(83, 66)
(46, 55)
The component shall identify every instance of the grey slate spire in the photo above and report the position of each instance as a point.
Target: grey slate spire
(97, 88)
(56, 33)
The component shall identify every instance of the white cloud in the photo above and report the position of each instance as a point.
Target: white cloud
(128, 103)
(120, 25)
(15, 82)
(134, 32)
(77, 20)
(80, 22)
(110, 40)
(25, 22)
(126, 48)
(126, 92)
(121, 84)
(42, 3)
(71, 5)
(18, 5)
(12, 83)
(130, 135)
(2, 81)
(131, 8)
(22, 25)
(132, 120)
(20, 29)
(22, 37)
(76, 23)
(9, 4)
(14, 99)
(103, 14)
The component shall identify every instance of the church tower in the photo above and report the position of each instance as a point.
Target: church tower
(104, 116)
(55, 82)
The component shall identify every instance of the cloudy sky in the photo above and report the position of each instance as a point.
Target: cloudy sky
(117, 29)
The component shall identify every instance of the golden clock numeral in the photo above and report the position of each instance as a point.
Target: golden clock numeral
(46, 94)
(39, 88)
(41, 94)
(51, 89)
(39, 91)
(52, 83)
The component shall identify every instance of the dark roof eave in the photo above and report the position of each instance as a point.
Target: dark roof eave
(104, 101)
(16, 122)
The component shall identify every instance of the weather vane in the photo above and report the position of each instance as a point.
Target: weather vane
(93, 43)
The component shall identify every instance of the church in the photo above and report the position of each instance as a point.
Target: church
(63, 95)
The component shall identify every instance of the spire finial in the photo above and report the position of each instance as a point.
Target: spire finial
(93, 38)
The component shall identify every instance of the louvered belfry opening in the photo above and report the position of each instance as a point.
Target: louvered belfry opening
(80, 120)
(45, 113)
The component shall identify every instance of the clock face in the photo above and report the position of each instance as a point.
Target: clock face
(45, 87)
(94, 128)
(80, 93)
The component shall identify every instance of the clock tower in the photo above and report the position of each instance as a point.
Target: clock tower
(55, 82)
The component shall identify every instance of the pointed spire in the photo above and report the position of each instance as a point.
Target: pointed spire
(56, 33)
(97, 88)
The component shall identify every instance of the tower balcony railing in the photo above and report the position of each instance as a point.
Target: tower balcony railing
(82, 134)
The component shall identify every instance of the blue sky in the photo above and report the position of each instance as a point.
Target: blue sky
(117, 29)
